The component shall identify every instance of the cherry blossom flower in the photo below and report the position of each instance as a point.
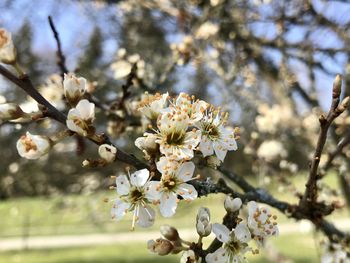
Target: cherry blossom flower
(132, 196)
(215, 137)
(234, 244)
(33, 146)
(147, 144)
(174, 139)
(261, 222)
(7, 49)
(81, 117)
(74, 88)
(172, 184)
(187, 104)
(152, 105)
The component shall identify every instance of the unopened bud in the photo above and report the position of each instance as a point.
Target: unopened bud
(107, 152)
(203, 224)
(160, 246)
(232, 204)
(337, 86)
(74, 88)
(344, 104)
(169, 232)
(86, 163)
(7, 48)
(10, 111)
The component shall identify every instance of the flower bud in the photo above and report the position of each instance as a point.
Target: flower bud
(337, 86)
(203, 224)
(344, 104)
(169, 232)
(74, 88)
(33, 146)
(189, 257)
(232, 204)
(107, 152)
(80, 118)
(10, 111)
(160, 246)
(7, 49)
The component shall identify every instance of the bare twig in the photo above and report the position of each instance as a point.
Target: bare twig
(61, 59)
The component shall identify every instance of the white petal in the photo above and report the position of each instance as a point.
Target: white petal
(168, 204)
(187, 191)
(146, 216)
(119, 209)
(219, 256)
(242, 233)
(252, 207)
(123, 185)
(206, 146)
(220, 151)
(86, 109)
(186, 171)
(139, 178)
(152, 192)
(221, 232)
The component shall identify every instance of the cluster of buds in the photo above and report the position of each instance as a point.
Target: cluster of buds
(236, 240)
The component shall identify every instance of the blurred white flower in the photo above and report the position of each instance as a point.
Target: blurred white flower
(81, 117)
(261, 222)
(271, 150)
(206, 30)
(52, 90)
(172, 184)
(10, 111)
(74, 88)
(7, 48)
(334, 253)
(133, 197)
(107, 152)
(121, 69)
(234, 244)
(33, 146)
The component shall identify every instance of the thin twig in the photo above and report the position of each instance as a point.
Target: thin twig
(61, 59)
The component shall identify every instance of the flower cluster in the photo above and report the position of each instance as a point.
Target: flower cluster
(236, 239)
(184, 127)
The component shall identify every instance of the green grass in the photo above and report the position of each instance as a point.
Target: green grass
(301, 250)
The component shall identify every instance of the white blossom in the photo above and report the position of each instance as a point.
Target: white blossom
(107, 152)
(334, 253)
(74, 88)
(271, 150)
(234, 244)
(261, 222)
(172, 184)
(152, 105)
(7, 48)
(174, 139)
(147, 144)
(33, 146)
(132, 196)
(81, 117)
(215, 137)
(206, 30)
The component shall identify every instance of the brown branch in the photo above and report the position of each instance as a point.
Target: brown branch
(310, 194)
(61, 59)
(25, 83)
